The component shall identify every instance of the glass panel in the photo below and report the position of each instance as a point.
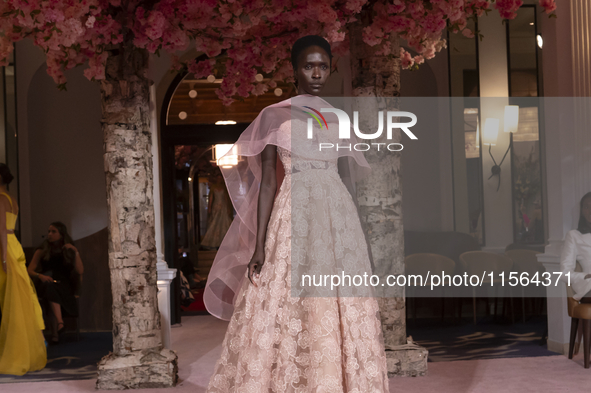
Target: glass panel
(528, 213)
(204, 209)
(523, 67)
(8, 127)
(2, 115)
(11, 130)
(467, 162)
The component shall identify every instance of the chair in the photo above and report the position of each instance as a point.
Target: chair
(526, 261)
(578, 311)
(423, 264)
(73, 318)
(482, 264)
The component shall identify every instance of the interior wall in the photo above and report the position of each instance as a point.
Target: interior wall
(65, 144)
(28, 60)
(494, 90)
(427, 185)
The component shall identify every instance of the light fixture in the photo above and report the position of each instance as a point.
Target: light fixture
(225, 155)
(193, 93)
(182, 115)
(278, 91)
(211, 78)
(224, 122)
(511, 118)
(491, 132)
(258, 77)
(531, 23)
(190, 179)
(540, 41)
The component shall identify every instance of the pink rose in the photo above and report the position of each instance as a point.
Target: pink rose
(468, 33)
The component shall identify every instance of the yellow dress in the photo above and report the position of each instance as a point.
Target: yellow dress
(22, 346)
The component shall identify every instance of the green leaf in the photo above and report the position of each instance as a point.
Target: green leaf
(62, 86)
(35, 12)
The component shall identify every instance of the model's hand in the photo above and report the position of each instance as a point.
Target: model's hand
(45, 278)
(255, 265)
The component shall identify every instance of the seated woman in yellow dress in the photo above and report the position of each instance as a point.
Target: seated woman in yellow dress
(22, 346)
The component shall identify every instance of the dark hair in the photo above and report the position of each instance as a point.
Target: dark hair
(305, 42)
(48, 249)
(5, 174)
(584, 225)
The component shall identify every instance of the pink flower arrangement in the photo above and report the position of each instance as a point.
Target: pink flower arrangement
(237, 37)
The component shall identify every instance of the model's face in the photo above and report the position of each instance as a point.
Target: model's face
(53, 234)
(312, 71)
(586, 210)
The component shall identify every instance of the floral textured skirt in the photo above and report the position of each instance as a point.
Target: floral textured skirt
(279, 343)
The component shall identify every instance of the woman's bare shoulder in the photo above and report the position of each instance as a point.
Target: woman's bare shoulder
(9, 203)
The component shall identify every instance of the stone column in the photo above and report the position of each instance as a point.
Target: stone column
(376, 79)
(138, 359)
(165, 275)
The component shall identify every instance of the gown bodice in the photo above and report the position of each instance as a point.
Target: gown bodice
(299, 164)
(10, 217)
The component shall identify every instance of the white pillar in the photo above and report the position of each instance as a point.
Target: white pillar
(494, 93)
(566, 65)
(165, 275)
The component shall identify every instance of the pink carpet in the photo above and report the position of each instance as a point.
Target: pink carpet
(198, 344)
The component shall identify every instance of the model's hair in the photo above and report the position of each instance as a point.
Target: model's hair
(584, 225)
(5, 174)
(305, 42)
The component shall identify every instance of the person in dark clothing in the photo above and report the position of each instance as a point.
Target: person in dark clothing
(61, 273)
(186, 264)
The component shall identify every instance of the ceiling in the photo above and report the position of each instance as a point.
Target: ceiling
(207, 108)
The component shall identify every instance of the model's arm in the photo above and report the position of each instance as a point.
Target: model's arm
(568, 259)
(265, 205)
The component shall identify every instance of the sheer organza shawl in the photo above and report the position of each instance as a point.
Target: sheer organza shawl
(272, 126)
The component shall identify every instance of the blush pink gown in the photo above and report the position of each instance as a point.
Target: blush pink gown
(279, 343)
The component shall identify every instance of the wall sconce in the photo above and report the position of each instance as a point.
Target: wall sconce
(491, 133)
(225, 155)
